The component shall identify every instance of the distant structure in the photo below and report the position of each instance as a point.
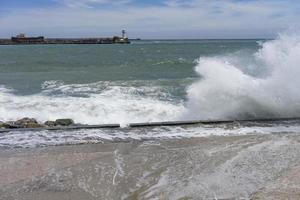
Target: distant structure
(123, 39)
(123, 33)
(22, 39)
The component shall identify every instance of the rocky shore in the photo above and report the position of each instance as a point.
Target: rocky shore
(27, 122)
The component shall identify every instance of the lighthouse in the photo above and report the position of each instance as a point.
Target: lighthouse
(123, 34)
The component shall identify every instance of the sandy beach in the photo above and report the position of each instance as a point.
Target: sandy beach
(218, 167)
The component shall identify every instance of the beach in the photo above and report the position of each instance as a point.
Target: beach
(217, 167)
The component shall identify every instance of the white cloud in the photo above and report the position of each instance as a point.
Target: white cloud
(205, 19)
(176, 3)
(90, 3)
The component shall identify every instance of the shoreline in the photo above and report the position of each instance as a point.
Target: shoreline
(226, 167)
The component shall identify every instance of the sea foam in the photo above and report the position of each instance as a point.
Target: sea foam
(96, 103)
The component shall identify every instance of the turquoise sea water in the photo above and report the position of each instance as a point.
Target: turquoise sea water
(25, 68)
(150, 81)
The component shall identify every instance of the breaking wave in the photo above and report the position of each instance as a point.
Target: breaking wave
(96, 103)
(226, 90)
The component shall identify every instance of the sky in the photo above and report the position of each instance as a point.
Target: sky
(146, 19)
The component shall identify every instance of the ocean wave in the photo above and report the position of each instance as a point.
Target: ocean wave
(95, 103)
(227, 91)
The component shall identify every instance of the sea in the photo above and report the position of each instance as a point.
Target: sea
(150, 81)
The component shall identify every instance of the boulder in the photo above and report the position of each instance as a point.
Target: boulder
(64, 122)
(4, 125)
(33, 125)
(25, 120)
(50, 123)
(27, 123)
(11, 124)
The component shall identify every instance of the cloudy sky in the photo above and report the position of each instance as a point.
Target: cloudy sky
(149, 18)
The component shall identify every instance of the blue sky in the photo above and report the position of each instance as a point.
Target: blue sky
(149, 19)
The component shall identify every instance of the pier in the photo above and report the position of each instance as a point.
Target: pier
(22, 39)
(155, 124)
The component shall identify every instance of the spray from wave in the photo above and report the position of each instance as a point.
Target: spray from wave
(226, 91)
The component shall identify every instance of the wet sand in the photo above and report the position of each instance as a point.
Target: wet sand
(223, 167)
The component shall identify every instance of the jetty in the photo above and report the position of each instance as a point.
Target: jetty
(58, 125)
(22, 39)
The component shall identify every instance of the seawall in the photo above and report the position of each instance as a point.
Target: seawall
(113, 40)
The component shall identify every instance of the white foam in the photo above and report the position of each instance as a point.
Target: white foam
(46, 138)
(95, 103)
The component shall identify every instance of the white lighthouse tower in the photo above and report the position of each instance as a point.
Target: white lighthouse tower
(123, 34)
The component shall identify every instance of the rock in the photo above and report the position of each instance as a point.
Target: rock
(27, 123)
(4, 125)
(10, 124)
(33, 125)
(25, 120)
(50, 123)
(64, 122)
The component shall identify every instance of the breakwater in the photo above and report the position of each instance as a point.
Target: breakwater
(42, 40)
(30, 124)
